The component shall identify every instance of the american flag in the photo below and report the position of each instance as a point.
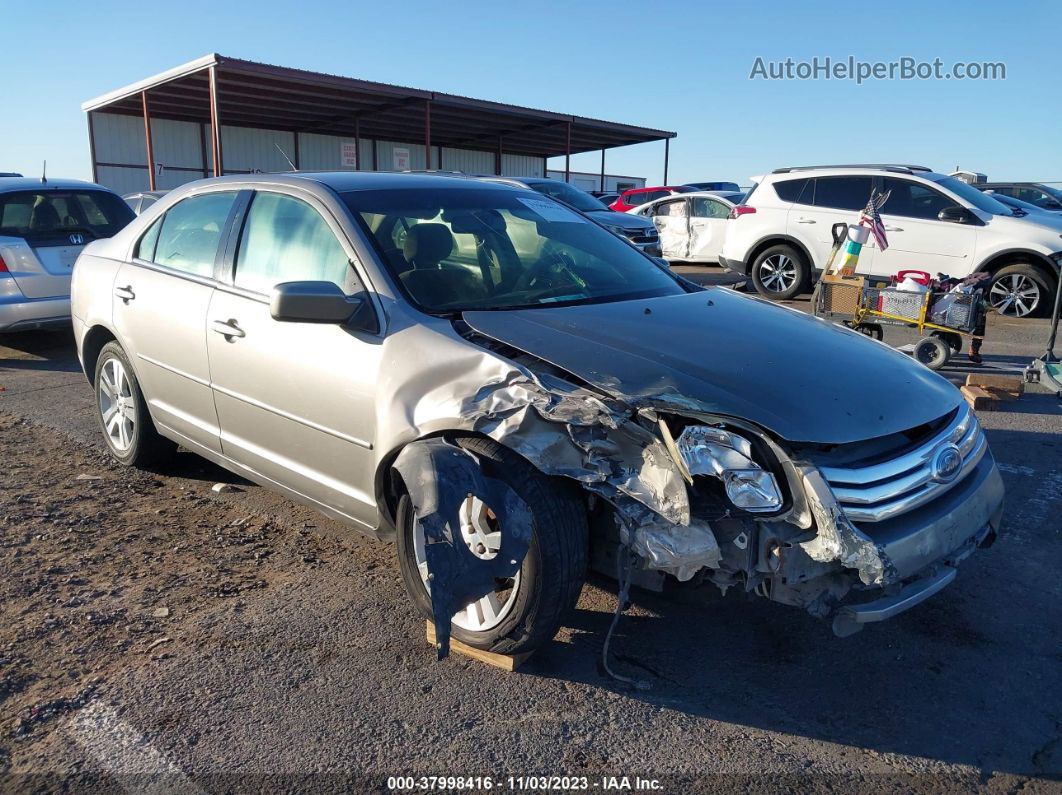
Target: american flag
(871, 218)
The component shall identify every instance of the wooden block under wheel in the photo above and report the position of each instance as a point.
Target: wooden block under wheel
(507, 662)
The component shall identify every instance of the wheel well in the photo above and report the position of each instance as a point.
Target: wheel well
(762, 246)
(1030, 258)
(95, 339)
(389, 487)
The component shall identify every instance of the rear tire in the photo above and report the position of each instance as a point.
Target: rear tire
(553, 571)
(1020, 290)
(122, 412)
(780, 272)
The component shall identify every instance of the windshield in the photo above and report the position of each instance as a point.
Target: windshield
(45, 214)
(468, 248)
(564, 192)
(967, 192)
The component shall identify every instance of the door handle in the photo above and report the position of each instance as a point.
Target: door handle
(228, 328)
(805, 221)
(125, 293)
(893, 228)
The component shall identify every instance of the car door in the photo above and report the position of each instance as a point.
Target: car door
(707, 228)
(160, 307)
(295, 401)
(824, 202)
(672, 222)
(917, 238)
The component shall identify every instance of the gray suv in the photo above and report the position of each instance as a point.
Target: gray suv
(508, 391)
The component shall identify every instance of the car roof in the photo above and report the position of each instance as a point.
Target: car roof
(709, 194)
(346, 181)
(848, 171)
(34, 183)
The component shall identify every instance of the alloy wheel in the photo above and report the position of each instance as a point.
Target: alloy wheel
(1014, 294)
(481, 533)
(778, 273)
(117, 404)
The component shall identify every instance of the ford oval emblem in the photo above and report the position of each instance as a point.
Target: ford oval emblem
(946, 464)
(77, 239)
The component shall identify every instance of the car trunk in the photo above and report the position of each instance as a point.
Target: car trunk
(42, 270)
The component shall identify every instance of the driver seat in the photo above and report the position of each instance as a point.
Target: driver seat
(429, 282)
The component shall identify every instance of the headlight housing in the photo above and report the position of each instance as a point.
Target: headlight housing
(704, 450)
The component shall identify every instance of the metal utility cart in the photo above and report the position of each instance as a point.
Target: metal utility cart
(943, 319)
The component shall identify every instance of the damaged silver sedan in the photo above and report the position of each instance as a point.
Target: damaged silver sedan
(514, 394)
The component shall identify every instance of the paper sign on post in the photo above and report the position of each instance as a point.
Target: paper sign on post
(400, 158)
(348, 154)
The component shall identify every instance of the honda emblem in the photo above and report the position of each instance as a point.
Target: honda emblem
(77, 239)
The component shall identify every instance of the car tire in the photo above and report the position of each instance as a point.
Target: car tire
(780, 272)
(122, 412)
(1020, 290)
(553, 571)
(933, 352)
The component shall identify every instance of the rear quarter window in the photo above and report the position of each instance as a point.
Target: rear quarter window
(793, 190)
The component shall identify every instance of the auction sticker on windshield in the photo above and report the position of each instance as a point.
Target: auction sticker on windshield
(551, 211)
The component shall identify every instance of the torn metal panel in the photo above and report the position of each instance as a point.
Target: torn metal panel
(838, 539)
(439, 476)
(678, 550)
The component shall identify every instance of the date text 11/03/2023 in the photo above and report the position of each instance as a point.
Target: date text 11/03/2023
(522, 783)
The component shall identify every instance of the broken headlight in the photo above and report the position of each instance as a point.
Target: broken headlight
(704, 450)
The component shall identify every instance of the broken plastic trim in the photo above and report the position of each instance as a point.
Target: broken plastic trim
(438, 477)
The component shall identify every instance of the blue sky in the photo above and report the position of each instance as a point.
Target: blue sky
(681, 66)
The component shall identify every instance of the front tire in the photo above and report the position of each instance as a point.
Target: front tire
(528, 610)
(1019, 291)
(780, 272)
(122, 412)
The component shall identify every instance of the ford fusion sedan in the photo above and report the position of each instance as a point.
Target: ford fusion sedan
(491, 380)
(44, 225)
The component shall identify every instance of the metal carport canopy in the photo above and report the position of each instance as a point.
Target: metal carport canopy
(250, 94)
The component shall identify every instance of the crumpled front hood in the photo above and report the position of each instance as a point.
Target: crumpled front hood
(719, 351)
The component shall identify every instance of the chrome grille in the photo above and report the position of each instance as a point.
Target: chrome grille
(884, 490)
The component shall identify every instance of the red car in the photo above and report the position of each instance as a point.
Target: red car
(630, 199)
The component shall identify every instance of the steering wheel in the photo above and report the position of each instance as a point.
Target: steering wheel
(553, 263)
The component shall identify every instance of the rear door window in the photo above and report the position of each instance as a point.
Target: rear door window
(191, 232)
(709, 208)
(52, 216)
(842, 193)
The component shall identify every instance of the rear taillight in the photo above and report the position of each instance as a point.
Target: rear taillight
(741, 209)
(3, 266)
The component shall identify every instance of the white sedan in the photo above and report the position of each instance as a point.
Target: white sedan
(692, 225)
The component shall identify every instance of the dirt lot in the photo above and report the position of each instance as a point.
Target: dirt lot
(156, 634)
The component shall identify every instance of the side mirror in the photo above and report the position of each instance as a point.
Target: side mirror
(956, 215)
(320, 302)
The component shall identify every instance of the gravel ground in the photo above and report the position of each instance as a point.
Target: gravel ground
(158, 635)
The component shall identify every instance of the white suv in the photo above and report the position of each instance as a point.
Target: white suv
(781, 234)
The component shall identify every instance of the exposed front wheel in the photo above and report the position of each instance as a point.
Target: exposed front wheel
(525, 611)
(780, 272)
(123, 414)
